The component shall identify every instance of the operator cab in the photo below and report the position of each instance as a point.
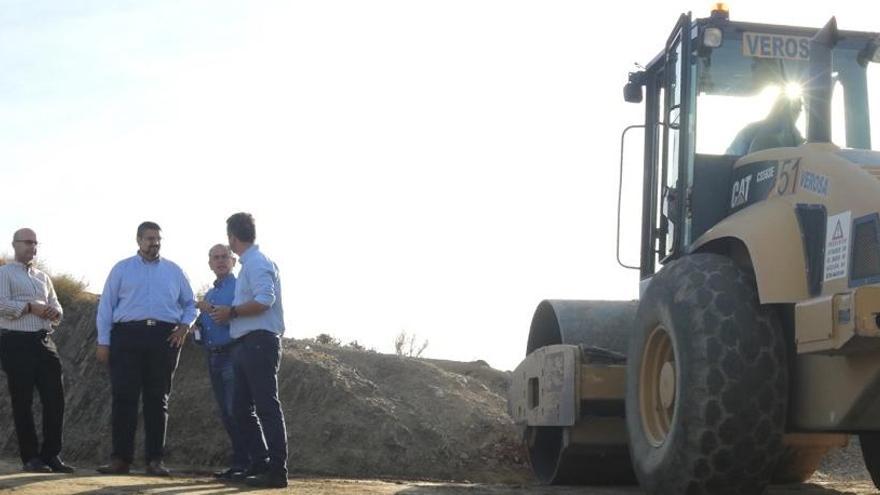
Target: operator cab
(722, 90)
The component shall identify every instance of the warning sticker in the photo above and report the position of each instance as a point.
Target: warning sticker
(837, 245)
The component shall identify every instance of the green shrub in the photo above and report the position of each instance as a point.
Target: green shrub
(327, 339)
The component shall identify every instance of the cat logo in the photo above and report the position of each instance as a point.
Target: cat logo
(740, 194)
(776, 46)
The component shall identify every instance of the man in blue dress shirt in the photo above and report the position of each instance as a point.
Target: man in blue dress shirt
(144, 315)
(218, 344)
(257, 323)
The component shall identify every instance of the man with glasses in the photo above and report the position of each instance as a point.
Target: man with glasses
(144, 315)
(29, 309)
(218, 344)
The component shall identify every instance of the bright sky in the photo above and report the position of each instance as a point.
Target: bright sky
(437, 167)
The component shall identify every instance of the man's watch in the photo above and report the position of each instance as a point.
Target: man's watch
(232, 312)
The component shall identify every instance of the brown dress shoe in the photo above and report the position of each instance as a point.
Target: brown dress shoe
(116, 466)
(157, 468)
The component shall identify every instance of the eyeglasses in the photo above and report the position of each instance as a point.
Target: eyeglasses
(28, 242)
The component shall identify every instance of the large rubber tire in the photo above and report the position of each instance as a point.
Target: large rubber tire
(870, 442)
(707, 382)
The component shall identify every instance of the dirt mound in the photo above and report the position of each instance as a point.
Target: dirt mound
(349, 413)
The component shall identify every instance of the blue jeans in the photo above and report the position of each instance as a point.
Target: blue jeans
(256, 357)
(222, 376)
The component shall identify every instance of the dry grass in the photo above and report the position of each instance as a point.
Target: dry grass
(70, 290)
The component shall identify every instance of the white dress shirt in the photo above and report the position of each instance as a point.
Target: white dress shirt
(21, 284)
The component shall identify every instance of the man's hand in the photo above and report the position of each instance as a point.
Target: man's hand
(220, 314)
(44, 311)
(39, 309)
(51, 313)
(102, 354)
(178, 336)
(204, 306)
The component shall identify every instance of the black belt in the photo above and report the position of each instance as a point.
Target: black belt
(144, 323)
(221, 348)
(23, 333)
(255, 332)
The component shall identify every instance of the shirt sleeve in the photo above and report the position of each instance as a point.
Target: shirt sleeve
(53, 299)
(9, 308)
(106, 305)
(187, 300)
(263, 284)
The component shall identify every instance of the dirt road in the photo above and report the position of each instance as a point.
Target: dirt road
(86, 483)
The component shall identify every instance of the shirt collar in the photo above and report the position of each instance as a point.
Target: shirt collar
(223, 281)
(249, 253)
(145, 261)
(29, 266)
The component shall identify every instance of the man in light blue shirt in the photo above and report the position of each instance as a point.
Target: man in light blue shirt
(256, 320)
(144, 315)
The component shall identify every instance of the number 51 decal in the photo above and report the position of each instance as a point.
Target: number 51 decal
(788, 176)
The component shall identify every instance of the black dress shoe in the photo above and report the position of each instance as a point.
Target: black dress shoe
(36, 465)
(116, 466)
(157, 468)
(252, 470)
(58, 466)
(269, 479)
(230, 473)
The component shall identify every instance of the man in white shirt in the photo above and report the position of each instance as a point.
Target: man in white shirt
(29, 310)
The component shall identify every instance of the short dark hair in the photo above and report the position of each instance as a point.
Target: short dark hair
(147, 226)
(242, 226)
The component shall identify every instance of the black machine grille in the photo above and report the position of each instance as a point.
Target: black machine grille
(865, 251)
(811, 219)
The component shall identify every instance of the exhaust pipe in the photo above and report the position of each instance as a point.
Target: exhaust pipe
(819, 85)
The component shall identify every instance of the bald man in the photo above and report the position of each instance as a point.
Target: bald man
(218, 344)
(29, 310)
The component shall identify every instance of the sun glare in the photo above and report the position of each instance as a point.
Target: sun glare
(794, 90)
(721, 117)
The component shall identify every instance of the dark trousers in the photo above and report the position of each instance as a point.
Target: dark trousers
(142, 363)
(222, 375)
(30, 360)
(256, 357)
